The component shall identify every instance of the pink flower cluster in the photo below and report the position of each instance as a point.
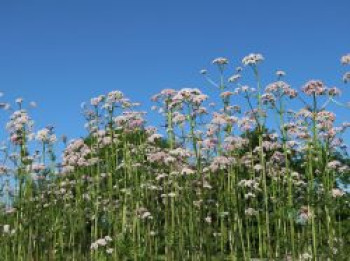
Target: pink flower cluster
(281, 88)
(314, 87)
(19, 126)
(77, 154)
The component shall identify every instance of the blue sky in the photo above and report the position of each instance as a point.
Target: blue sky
(61, 53)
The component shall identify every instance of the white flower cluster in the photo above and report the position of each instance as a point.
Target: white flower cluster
(102, 242)
(46, 136)
(346, 77)
(143, 213)
(220, 61)
(97, 100)
(345, 59)
(252, 59)
(7, 230)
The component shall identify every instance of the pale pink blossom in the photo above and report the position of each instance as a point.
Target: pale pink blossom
(252, 59)
(314, 87)
(345, 60)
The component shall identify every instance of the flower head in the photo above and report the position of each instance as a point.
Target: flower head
(203, 71)
(281, 88)
(314, 87)
(346, 77)
(252, 59)
(280, 73)
(234, 78)
(345, 60)
(337, 193)
(220, 61)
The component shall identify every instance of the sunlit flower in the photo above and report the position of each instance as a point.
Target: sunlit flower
(19, 100)
(280, 73)
(314, 87)
(208, 219)
(252, 59)
(96, 101)
(220, 163)
(268, 98)
(187, 171)
(101, 242)
(345, 59)
(250, 212)
(334, 91)
(346, 77)
(337, 193)
(220, 61)
(234, 78)
(239, 69)
(154, 137)
(306, 256)
(203, 71)
(94, 246)
(6, 229)
(46, 136)
(281, 88)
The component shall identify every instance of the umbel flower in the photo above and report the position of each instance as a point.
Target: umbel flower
(280, 73)
(346, 77)
(314, 87)
(220, 61)
(77, 154)
(46, 136)
(19, 126)
(281, 88)
(252, 59)
(345, 60)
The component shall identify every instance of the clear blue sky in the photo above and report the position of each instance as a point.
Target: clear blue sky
(60, 53)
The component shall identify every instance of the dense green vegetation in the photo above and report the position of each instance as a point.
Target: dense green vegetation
(219, 184)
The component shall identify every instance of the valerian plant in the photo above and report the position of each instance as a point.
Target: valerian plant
(213, 182)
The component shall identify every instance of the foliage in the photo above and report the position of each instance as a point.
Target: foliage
(218, 184)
